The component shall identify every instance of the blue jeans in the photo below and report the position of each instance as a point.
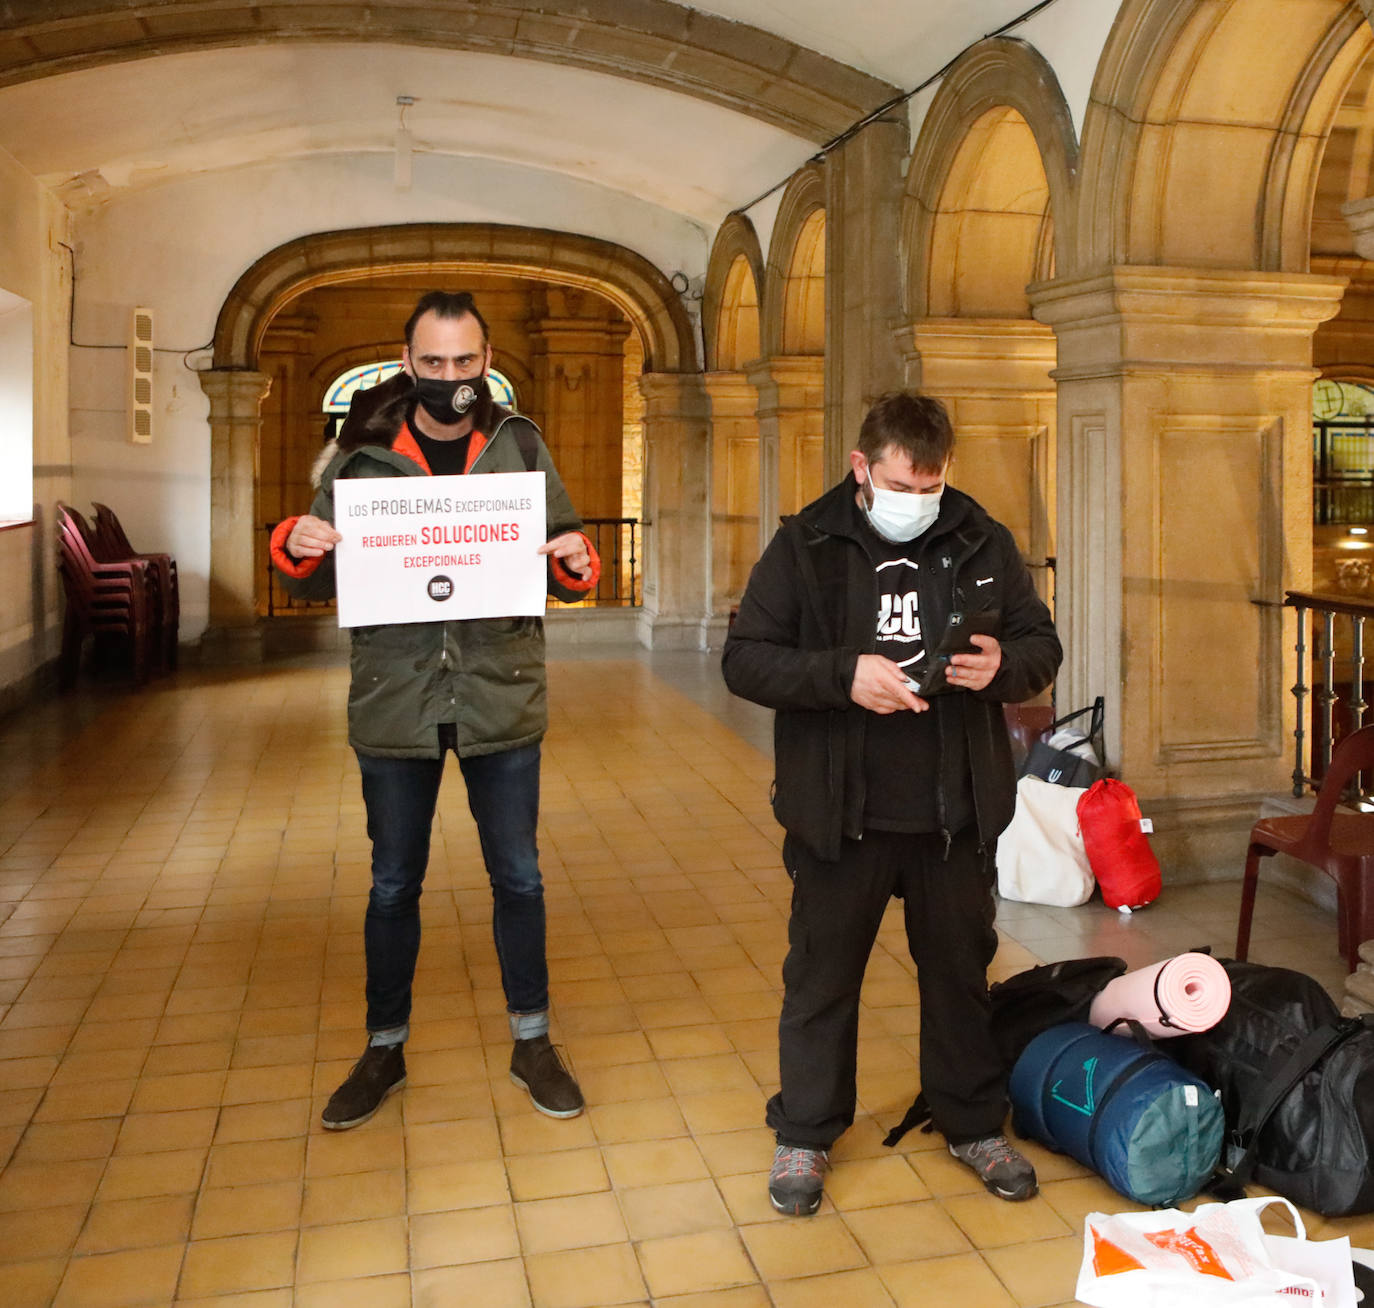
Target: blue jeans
(503, 796)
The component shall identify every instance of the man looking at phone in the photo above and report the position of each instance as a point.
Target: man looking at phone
(885, 792)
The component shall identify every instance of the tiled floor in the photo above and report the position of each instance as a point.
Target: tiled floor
(182, 881)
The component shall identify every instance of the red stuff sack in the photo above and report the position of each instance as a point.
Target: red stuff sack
(1118, 853)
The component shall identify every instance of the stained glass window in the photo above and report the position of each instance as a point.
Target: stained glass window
(340, 393)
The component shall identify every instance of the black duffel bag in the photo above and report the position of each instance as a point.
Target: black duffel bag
(1297, 1085)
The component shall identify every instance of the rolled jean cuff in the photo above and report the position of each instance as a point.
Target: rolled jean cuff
(526, 1026)
(394, 1035)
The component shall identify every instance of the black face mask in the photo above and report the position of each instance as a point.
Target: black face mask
(448, 401)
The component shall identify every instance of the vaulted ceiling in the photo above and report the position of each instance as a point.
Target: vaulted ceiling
(688, 108)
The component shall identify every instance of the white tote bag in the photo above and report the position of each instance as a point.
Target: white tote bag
(1040, 856)
(1215, 1257)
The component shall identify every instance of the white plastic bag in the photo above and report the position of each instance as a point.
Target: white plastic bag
(1040, 856)
(1214, 1257)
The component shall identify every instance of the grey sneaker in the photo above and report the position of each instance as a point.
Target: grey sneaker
(536, 1068)
(1004, 1171)
(797, 1180)
(380, 1072)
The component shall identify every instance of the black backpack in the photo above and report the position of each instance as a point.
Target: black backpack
(1297, 1086)
(1026, 1004)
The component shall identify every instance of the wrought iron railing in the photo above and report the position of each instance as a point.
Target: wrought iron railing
(1330, 687)
(617, 540)
(1342, 471)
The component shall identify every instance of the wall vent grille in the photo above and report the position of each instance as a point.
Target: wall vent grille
(141, 377)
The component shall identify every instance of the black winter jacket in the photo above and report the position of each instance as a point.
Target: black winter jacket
(810, 610)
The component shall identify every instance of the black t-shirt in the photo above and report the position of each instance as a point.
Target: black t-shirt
(445, 458)
(907, 754)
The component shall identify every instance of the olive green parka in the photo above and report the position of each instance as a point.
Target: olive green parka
(484, 674)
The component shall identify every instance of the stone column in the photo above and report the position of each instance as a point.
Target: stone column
(734, 486)
(864, 275)
(579, 367)
(994, 376)
(791, 391)
(1184, 512)
(677, 508)
(235, 417)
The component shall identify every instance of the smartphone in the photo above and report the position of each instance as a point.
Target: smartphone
(954, 639)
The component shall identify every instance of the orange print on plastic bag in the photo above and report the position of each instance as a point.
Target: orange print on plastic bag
(1191, 1246)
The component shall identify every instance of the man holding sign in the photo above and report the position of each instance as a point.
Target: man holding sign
(423, 685)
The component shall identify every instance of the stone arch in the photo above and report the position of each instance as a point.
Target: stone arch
(803, 198)
(803, 291)
(625, 278)
(713, 58)
(731, 304)
(1182, 83)
(989, 200)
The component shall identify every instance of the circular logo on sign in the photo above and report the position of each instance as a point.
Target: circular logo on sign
(439, 587)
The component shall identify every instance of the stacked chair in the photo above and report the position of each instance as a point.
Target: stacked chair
(111, 545)
(128, 603)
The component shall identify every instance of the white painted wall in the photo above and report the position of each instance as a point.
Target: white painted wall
(179, 249)
(32, 227)
(16, 407)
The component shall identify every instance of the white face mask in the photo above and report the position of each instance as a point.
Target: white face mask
(899, 516)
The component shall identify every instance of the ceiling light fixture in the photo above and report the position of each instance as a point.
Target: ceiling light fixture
(405, 144)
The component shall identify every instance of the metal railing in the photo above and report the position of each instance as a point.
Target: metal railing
(617, 541)
(1342, 471)
(1330, 686)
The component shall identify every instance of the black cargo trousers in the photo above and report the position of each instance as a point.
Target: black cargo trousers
(837, 909)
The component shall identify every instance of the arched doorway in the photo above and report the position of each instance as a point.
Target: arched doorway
(577, 339)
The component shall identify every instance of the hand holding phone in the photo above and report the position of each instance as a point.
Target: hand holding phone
(954, 639)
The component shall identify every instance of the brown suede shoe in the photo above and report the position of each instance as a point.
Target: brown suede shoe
(536, 1068)
(378, 1073)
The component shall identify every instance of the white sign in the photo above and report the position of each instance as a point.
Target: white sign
(430, 549)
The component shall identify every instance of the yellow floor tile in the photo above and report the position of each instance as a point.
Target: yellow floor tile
(468, 1236)
(237, 1264)
(366, 1292)
(568, 1172)
(653, 1162)
(549, 1225)
(901, 1232)
(141, 1176)
(352, 1249)
(685, 1264)
(605, 1275)
(356, 1196)
(990, 1222)
(247, 1209)
(682, 1208)
(963, 1279)
(456, 1185)
(39, 1232)
(133, 1223)
(140, 1276)
(782, 1250)
(1041, 1272)
(858, 1289)
(492, 1284)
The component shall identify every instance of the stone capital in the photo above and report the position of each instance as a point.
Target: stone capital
(984, 356)
(732, 394)
(1183, 320)
(561, 335)
(673, 395)
(234, 394)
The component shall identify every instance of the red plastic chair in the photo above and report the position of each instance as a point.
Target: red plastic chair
(1340, 844)
(110, 544)
(114, 602)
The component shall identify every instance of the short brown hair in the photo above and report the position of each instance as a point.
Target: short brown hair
(911, 423)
